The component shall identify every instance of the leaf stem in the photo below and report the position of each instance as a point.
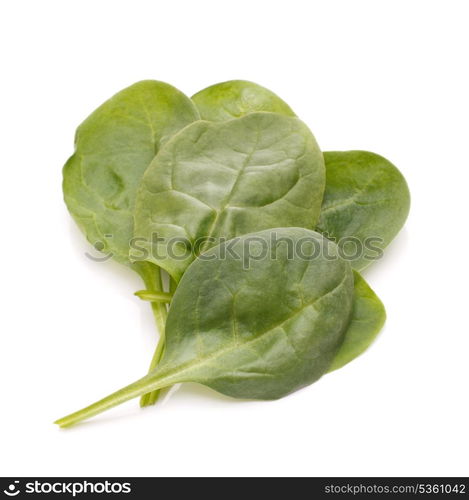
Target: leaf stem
(152, 397)
(152, 278)
(172, 285)
(152, 296)
(149, 382)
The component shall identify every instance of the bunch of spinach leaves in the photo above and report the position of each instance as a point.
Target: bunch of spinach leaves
(178, 189)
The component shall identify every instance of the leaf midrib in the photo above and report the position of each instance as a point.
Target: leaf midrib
(228, 197)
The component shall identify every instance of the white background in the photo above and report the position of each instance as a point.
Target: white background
(387, 76)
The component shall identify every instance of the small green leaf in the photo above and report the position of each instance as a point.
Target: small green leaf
(368, 317)
(237, 98)
(366, 203)
(113, 148)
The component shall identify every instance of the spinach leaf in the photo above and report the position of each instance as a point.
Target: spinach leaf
(113, 148)
(236, 98)
(229, 331)
(368, 317)
(366, 199)
(222, 180)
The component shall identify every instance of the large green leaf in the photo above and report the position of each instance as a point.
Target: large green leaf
(368, 317)
(257, 331)
(237, 98)
(222, 180)
(366, 203)
(113, 148)
(365, 197)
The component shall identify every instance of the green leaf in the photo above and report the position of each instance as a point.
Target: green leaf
(366, 203)
(365, 197)
(368, 317)
(113, 148)
(237, 98)
(225, 179)
(257, 331)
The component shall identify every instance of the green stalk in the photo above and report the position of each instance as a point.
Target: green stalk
(151, 398)
(145, 384)
(152, 278)
(172, 285)
(154, 296)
